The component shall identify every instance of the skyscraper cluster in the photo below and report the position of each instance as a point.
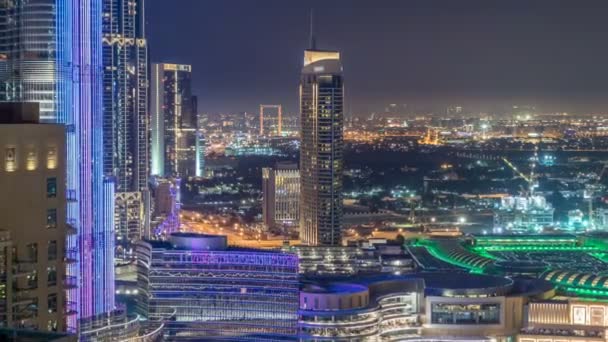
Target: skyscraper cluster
(52, 54)
(77, 72)
(85, 66)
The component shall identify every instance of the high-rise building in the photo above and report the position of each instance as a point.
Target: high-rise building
(281, 195)
(321, 165)
(125, 113)
(173, 120)
(221, 292)
(52, 54)
(33, 210)
(201, 147)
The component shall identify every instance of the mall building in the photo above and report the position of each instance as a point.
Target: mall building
(418, 307)
(570, 320)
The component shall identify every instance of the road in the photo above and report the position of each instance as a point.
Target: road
(238, 234)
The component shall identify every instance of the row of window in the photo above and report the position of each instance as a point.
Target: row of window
(32, 251)
(11, 161)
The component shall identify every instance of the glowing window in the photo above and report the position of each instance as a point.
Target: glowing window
(31, 162)
(10, 159)
(51, 158)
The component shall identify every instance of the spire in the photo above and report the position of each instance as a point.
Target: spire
(313, 42)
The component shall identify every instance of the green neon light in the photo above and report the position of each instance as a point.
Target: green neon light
(589, 292)
(528, 248)
(439, 254)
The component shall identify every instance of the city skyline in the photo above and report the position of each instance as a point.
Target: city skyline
(426, 54)
(411, 174)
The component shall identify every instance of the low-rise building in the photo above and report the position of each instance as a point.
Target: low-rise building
(211, 291)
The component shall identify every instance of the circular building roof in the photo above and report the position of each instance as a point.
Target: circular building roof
(464, 284)
(334, 288)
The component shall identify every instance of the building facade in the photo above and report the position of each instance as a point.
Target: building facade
(523, 214)
(566, 321)
(321, 159)
(173, 121)
(125, 113)
(165, 215)
(382, 310)
(221, 292)
(281, 195)
(34, 230)
(52, 54)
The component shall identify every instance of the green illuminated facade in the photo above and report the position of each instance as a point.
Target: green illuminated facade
(576, 265)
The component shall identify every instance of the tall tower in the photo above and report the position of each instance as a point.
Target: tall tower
(173, 121)
(322, 121)
(52, 54)
(125, 113)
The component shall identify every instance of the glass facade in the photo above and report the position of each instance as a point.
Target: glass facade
(230, 292)
(125, 112)
(447, 313)
(321, 165)
(174, 121)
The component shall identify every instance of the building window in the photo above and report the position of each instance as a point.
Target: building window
(51, 187)
(52, 250)
(32, 280)
(10, 159)
(52, 303)
(51, 158)
(31, 162)
(51, 218)
(461, 314)
(51, 277)
(52, 325)
(32, 252)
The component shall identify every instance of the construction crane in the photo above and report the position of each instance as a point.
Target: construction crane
(530, 179)
(590, 194)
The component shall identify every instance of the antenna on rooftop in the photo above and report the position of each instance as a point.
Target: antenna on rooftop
(313, 42)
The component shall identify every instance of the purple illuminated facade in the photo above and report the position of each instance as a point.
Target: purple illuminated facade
(211, 290)
(52, 52)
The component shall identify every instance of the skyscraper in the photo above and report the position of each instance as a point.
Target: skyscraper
(322, 120)
(52, 54)
(174, 125)
(125, 113)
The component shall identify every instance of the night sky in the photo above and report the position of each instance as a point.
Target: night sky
(480, 54)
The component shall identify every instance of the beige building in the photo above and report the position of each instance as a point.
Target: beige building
(566, 321)
(33, 211)
(281, 191)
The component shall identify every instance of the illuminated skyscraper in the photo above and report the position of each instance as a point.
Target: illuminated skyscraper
(173, 121)
(321, 106)
(125, 110)
(52, 54)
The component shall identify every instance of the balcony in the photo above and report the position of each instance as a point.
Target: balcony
(70, 227)
(70, 196)
(71, 256)
(24, 298)
(70, 308)
(70, 282)
(23, 269)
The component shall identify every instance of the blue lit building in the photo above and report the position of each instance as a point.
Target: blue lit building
(125, 113)
(210, 291)
(52, 54)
